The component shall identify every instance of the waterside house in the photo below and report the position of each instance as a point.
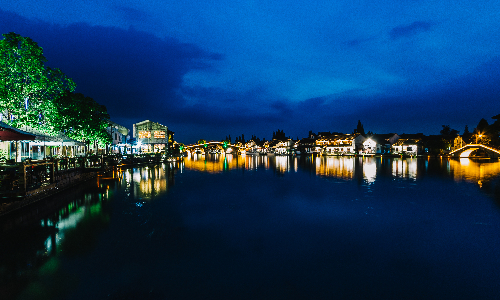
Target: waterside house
(152, 137)
(19, 145)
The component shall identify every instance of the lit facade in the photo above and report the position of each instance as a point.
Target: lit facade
(341, 143)
(119, 136)
(152, 137)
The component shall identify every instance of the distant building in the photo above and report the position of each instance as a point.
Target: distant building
(119, 136)
(458, 142)
(152, 137)
(341, 143)
(380, 143)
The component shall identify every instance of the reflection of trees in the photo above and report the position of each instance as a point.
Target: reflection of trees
(83, 237)
(29, 252)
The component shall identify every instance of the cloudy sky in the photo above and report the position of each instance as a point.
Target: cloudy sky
(208, 69)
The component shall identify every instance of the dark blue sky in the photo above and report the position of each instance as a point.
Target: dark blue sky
(208, 70)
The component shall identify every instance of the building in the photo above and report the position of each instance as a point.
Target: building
(19, 145)
(380, 143)
(341, 143)
(409, 144)
(119, 136)
(152, 137)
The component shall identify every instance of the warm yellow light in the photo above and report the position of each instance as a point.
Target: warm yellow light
(159, 134)
(144, 134)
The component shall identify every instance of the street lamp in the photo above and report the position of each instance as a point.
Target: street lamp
(478, 135)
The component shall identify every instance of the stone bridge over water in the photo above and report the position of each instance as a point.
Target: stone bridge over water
(222, 146)
(466, 151)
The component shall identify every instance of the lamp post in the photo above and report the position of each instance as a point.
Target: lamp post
(478, 135)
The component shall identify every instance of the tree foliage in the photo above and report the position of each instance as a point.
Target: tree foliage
(359, 128)
(27, 86)
(32, 94)
(81, 118)
(448, 131)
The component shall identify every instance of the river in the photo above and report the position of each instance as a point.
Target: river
(264, 227)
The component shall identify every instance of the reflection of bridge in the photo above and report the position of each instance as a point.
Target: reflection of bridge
(213, 145)
(466, 150)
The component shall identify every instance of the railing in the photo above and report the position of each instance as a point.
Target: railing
(478, 146)
(18, 179)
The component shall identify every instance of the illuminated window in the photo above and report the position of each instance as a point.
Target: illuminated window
(144, 134)
(159, 134)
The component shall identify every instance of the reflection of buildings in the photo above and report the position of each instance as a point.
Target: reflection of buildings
(148, 182)
(343, 167)
(283, 164)
(215, 163)
(339, 167)
(404, 168)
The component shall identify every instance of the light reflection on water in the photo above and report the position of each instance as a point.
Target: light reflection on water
(469, 170)
(348, 167)
(252, 218)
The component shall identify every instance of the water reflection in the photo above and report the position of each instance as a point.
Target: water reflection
(37, 237)
(147, 182)
(30, 265)
(469, 170)
(245, 224)
(404, 168)
(349, 167)
(216, 163)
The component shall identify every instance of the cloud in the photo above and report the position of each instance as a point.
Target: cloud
(136, 75)
(131, 14)
(409, 30)
(139, 76)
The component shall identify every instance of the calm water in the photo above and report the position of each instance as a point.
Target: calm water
(264, 228)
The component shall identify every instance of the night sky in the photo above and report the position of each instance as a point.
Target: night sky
(209, 69)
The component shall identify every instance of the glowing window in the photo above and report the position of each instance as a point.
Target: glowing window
(144, 134)
(159, 134)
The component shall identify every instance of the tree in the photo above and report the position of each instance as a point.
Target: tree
(482, 125)
(448, 131)
(27, 86)
(494, 129)
(359, 128)
(482, 132)
(466, 136)
(81, 118)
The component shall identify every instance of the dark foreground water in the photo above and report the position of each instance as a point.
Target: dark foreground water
(264, 228)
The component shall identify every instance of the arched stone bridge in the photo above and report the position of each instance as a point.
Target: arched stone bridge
(466, 150)
(214, 146)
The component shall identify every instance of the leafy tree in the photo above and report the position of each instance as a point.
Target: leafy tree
(467, 134)
(482, 132)
(482, 125)
(436, 145)
(81, 118)
(494, 129)
(359, 128)
(27, 86)
(448, 131)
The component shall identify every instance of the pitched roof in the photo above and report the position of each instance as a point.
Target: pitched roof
(9, 133)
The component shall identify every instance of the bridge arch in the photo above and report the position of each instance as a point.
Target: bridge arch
(213, 144)
(466, 150)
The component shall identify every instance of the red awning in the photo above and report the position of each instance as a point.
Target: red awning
(7, 134)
